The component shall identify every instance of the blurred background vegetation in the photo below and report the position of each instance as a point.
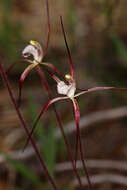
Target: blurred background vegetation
(97, 36)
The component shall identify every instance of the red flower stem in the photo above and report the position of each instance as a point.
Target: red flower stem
(44, 82)
(4, 76)
(48, 20)
(83, 160)
(19, 96)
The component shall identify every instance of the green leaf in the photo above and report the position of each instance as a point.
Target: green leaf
(33, 111)
(46, 138)
(24, 170)
(49, 149)
(120, 47)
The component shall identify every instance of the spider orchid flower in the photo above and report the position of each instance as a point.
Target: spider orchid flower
(69, 93)
(35, 50)
(68, 90)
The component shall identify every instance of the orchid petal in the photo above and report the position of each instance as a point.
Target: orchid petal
(94, 89)
(41, 113)
(44, 82)
(52, 67)
(77, 120)
(81, 89)
(78, 141)
(99, 89)
(18, 61)
(27, 70)
(68, 50)
(53, 76)
(22, 78)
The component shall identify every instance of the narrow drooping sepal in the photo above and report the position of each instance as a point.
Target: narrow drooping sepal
(68, 50)
(18, 61)
(77, 120)
(44, 82)
(53, 76)
(41, 113)
(79, 142)
(22, 78)
(52, 67)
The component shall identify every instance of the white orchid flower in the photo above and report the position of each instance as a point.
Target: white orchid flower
(35, 50)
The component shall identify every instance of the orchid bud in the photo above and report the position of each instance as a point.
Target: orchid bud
(35, 50)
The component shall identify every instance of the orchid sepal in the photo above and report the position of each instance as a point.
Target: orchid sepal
(52, 67)
(22, 78)
(41, 113)
(77, 120)
(68, 50)
(98, 89)
(18, 61)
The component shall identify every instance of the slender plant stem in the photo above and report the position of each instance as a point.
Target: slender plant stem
(44, 82)
(4, 76)
(48, 20)
(83, 161)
